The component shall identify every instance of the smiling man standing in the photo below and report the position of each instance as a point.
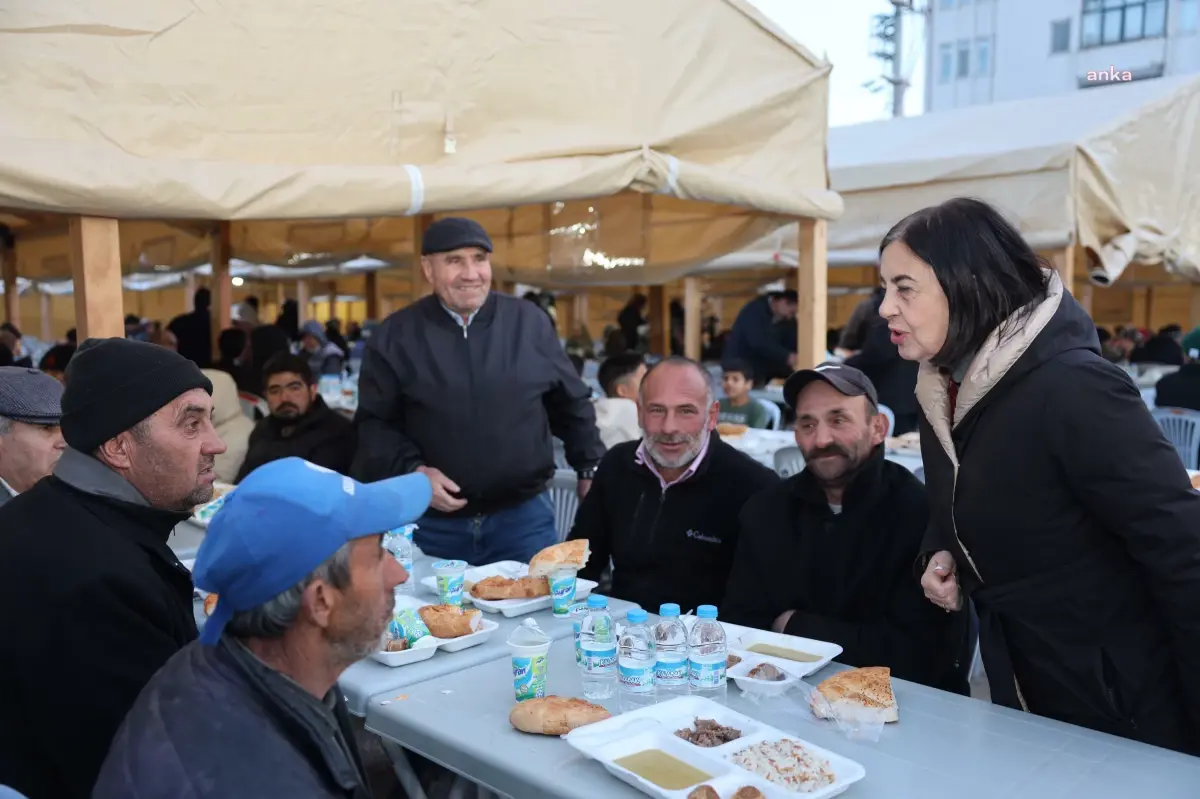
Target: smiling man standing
(467, 386)
(85, 571)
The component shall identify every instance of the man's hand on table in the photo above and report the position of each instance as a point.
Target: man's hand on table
(780, 624)
(444, 490)
(583, 488)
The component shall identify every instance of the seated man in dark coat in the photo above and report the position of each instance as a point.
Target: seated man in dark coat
(828, 554)
(304, 588)
(301, 425)
(665, 509)
(85, 570)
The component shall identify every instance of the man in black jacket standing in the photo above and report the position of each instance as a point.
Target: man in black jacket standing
(828, 554)
(665, 509)
(467, 386)
(85, 570)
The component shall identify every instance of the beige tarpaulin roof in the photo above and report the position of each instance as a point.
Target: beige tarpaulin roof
(616, 141)
(1119, 166)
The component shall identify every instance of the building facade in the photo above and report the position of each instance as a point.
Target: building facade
(985, 51)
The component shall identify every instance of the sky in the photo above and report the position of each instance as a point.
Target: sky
(841, 32)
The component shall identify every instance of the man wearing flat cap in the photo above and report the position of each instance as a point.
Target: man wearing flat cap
(86, 576)
(30, 441)
(468, 386)
(828, 553)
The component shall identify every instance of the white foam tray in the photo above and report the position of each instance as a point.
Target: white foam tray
(739, 639)
(654, 728)
(509, 607)
(428, 646)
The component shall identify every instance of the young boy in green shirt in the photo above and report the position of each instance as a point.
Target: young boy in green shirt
(737, 406)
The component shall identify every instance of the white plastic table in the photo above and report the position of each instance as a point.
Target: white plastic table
(369, 679)
(943, 745)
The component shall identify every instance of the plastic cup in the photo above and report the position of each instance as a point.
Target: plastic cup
(450, 575)
(562, 591)
(528, 647)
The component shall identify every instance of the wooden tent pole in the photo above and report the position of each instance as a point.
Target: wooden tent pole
(96, 270)
(812, 278)
(691, 317)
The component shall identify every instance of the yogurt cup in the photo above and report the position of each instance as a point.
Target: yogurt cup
(528, 647)
(450, 575)
(562, 591)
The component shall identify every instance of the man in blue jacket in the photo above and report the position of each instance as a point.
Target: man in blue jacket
(755, 336)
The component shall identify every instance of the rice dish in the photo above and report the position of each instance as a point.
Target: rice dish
(786, 763)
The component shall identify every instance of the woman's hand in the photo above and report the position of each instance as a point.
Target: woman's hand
(940, 582)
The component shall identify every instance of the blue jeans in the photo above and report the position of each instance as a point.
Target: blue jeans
(516, 533)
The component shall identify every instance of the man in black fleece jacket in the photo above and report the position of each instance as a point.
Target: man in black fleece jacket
(665, 509)
(828, 554)
(96, 602)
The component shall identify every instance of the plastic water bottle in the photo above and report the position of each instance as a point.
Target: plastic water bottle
(671, 644)
(598, 647)
(636, 658)
(707, 651)
(399, 543)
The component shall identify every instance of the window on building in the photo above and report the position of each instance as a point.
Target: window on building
(983, 57)
(1060, 36)
(1189, 16)
(1113, 21)
(964, 2)
(964, 59)
(946, 5)
(945, 63)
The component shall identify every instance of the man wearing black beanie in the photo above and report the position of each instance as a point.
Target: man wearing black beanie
(84, 557)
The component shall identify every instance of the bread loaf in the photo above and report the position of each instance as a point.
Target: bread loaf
(857, 695)
(574, 554)
(449, 621)
(496, 588)
(555, 715)
(210, 602)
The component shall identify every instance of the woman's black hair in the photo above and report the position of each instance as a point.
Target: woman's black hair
(985, 268)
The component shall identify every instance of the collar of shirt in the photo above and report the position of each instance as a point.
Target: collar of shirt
(457, 317)
(643, 457)
(4, 486)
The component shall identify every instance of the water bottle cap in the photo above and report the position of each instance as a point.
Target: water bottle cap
(706, 612)
(668, 610)
(597, 601)
(636, 616)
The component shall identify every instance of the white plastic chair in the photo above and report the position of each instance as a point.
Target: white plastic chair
(251, 403)
(788, 461)
(1182, 429)
(564, 492)
(891, 417)
(774, 415)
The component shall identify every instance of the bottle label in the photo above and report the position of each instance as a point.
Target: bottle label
(638, 679)
(671, 673)
(450, 589)
(599, 659)
(706, 675)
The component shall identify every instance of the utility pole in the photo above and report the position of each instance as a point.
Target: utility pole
(889, 32)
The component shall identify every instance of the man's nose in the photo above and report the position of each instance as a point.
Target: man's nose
(823, 436)
(394, 574)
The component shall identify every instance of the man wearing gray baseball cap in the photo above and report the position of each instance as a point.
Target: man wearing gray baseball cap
(30, 440)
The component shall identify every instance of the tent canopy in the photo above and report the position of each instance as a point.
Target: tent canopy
(1116, 168)
(599, 141)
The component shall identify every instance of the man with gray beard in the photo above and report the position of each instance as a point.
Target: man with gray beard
(84, 564)
(304, 590)
(665, 509)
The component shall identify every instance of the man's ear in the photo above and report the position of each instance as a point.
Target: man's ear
(117, 451)
(879, 429)
(318, 603)
(427, 268)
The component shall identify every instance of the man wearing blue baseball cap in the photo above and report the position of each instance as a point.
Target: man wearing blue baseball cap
(304, 591)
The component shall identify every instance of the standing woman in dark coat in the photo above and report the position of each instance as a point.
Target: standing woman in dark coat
(1056, 504)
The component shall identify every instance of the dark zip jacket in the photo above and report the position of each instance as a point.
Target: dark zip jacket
(479, 402)
(1074, 528)
(847, 577)
(668, 546)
